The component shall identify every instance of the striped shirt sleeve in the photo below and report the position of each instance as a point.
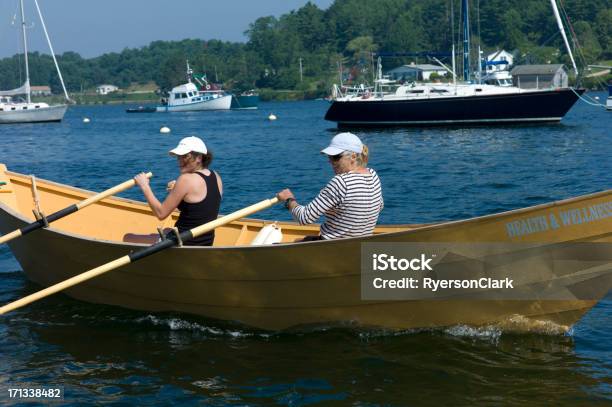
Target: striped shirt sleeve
(329, 198)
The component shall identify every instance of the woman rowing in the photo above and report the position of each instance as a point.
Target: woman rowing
(196, 193)
(351, 201)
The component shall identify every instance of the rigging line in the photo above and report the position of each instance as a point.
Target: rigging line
(479, 58)
(585, 100)
(555, 35)
(578, 48)
(19, 49)
(42, 21)
(452, 16)
(544, 43)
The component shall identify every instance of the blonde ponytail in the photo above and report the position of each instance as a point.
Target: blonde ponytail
(362, 158)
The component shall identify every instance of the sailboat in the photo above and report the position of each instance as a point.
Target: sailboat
(14, 110)
(389, 104)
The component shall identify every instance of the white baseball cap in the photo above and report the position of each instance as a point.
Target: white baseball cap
(189, 144)
(344, 142)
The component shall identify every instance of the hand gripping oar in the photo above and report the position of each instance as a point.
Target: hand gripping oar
(132, 257)
(68, 210)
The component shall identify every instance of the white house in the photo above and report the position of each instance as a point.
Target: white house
(106, 89)
(498, 61)
(414, 72)
(40, 90)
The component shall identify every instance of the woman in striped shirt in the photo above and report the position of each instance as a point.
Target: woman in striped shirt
(351, 201)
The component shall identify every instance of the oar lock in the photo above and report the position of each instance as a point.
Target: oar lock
(40, 215)
(175, 231)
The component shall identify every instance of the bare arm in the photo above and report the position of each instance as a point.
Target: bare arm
(174, 198)
(219, 183)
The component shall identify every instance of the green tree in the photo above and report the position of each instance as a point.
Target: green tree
(589, 45)
(511, 27)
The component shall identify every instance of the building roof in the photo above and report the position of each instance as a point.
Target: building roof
(537, 69)
(418, 67)
(40, 88)
(106, 86)
(498, 53)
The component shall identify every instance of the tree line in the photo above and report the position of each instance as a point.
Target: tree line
(309, 48)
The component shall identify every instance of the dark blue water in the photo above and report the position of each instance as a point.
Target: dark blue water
(111, 355)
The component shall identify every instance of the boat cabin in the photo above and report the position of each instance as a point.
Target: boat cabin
(188, 93)
(414, 72)
(539, 76)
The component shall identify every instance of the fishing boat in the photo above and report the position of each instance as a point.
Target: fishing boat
(13, 110)
(455, 103)
(188, 98)
(303, 284)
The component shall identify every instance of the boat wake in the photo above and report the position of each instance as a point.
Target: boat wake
(516, 324)
(178, 324)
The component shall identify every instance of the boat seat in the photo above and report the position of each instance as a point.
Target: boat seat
(269, 234)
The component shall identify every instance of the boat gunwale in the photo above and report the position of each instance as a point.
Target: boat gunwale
(427, 227)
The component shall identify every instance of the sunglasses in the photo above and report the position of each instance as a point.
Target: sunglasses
(336, 157)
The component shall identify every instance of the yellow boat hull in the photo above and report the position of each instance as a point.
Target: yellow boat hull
(286, 285)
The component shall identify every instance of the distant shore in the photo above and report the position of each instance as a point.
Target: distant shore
(114, 98)
(266, 95)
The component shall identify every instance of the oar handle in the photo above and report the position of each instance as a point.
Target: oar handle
(109, 192)
(132, 257)
(10, 236)
(65, 284)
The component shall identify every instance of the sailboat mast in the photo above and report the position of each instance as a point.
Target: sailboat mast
(466, 39)
(562, 31)
(25, 52)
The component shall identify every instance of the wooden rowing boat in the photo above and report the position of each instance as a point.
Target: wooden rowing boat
(301, 284)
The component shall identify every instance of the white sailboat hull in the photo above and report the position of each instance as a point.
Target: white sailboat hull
(220, 103)
(32, 114)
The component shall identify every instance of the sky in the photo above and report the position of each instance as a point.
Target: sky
(95, 27)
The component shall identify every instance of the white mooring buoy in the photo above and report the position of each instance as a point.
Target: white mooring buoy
(272, 117)
(164, 130)
(86, 120)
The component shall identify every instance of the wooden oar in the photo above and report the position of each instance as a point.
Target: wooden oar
(132, 257)
(40, 223)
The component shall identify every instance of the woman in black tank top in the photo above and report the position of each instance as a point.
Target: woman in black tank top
(196, 193)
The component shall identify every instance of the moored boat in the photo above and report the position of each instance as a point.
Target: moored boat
(29, 112)
(26, 111)
(300, 284)
(245, 100)
(444, 104)
(187, 98)
(454, 104)
(141, 109)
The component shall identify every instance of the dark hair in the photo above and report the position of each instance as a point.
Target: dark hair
(206, 158)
